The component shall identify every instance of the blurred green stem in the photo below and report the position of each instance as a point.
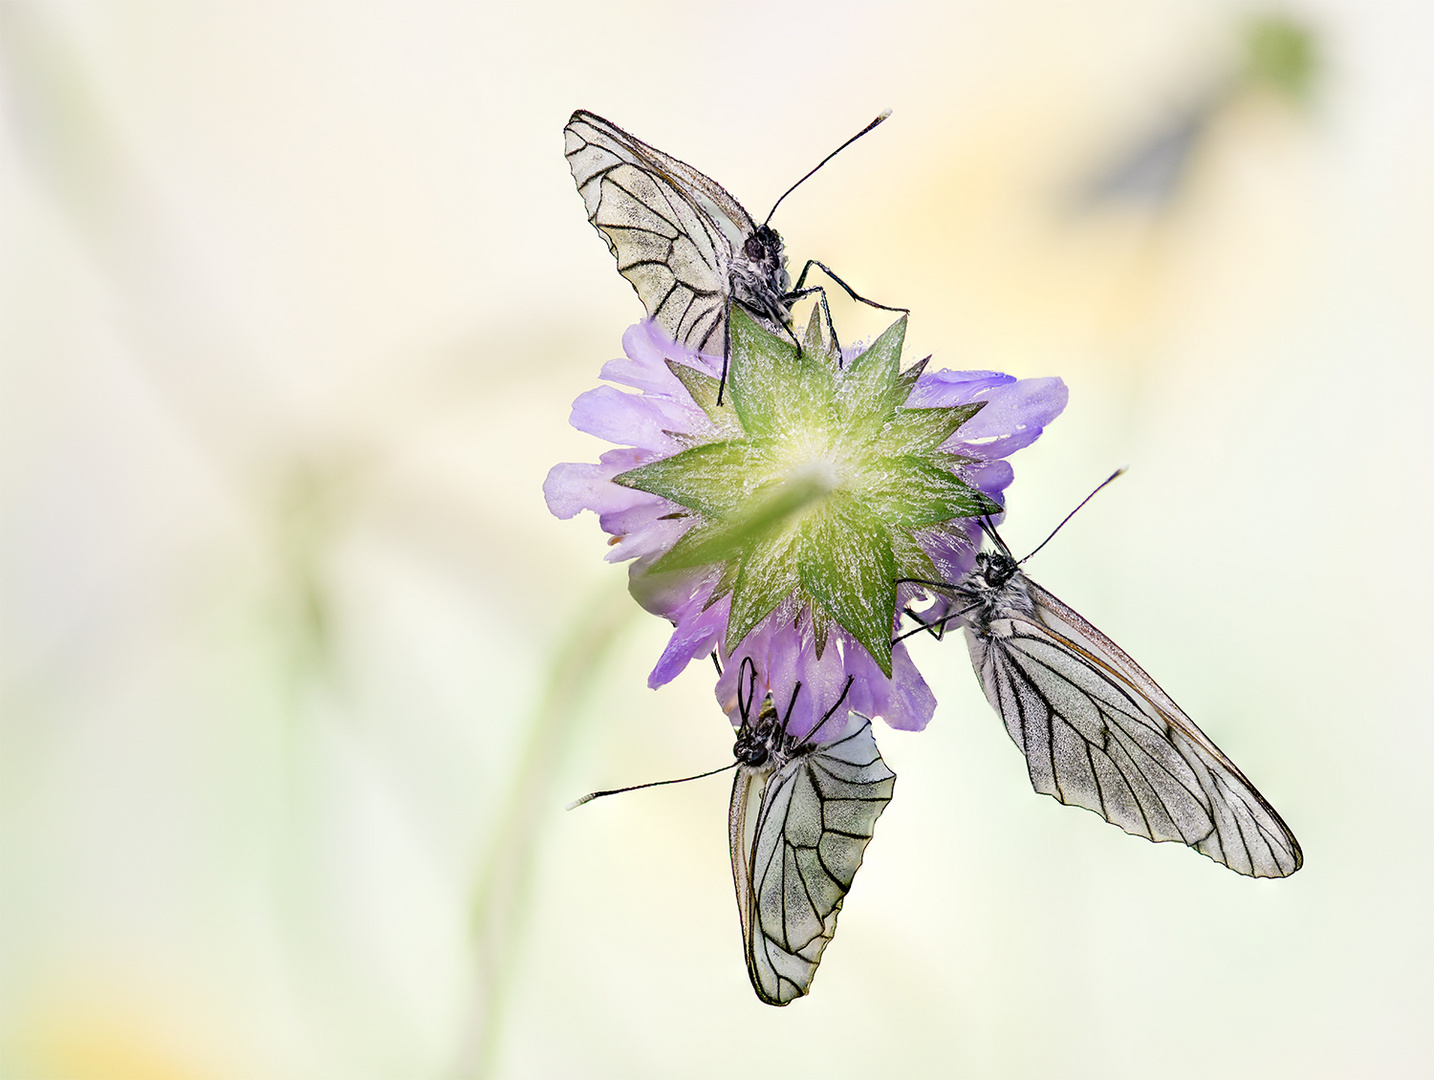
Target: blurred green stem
(505, 879)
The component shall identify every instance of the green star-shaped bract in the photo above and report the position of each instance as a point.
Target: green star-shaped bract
(819, 479)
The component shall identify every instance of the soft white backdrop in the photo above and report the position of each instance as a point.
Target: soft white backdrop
(298, 672)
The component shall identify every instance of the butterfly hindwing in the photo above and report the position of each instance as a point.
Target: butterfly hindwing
(1099, 733)
(794, 866)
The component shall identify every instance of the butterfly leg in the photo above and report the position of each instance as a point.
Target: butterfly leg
(726, 349)
(769, 313)
(773, 312)
(826, 311)
(825, 716)
(801, 289)
(936, 627)
(801, 281)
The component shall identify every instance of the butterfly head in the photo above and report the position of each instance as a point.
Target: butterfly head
(995, 569)
(993, 592)
(756, 742)
(765, 244)
(767, 259)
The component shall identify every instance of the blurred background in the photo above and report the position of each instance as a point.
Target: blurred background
(298, 673)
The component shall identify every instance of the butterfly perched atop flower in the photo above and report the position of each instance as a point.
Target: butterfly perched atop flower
(802, 812)
(686, 245)
(688, 248)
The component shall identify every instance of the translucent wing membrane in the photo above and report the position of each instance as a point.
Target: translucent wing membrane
(1099, 733)
(672, 230)
(795, 864)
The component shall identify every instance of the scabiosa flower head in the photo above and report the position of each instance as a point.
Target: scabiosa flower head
(779, 522)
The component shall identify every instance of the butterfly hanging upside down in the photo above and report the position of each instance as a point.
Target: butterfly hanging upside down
(801, 816)
(1098, 732)
(688, 248)
(802, 812)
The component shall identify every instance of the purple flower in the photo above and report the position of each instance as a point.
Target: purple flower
(776, 525)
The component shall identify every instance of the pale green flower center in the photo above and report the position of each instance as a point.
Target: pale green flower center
(816, 485)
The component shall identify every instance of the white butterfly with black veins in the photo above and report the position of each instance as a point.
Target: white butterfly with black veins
(801, 816)
(685, 244)
(1098, 732)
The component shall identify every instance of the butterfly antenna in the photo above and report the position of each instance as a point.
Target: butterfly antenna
(989, 528)
(1073, 513)
(590, 796)
(884, 114)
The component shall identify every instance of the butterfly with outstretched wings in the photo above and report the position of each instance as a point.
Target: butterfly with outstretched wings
(801, 816)
(1100, 733)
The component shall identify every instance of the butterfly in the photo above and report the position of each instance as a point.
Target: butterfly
(1099, 733)
(685, 244)
(687, 247)
(801, 816)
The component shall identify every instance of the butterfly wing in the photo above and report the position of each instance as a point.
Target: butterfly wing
(795, 866)
(672, 229)
(1099, 733)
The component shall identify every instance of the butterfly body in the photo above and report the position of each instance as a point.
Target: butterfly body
(1099, 733)
(801, 817)
(759, 275)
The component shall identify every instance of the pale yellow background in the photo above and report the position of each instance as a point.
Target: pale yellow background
(295, 300)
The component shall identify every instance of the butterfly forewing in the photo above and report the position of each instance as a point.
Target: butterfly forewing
(1099, 733)
(797, 861)
(678, 236)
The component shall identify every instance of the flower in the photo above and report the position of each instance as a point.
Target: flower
(780, 523)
